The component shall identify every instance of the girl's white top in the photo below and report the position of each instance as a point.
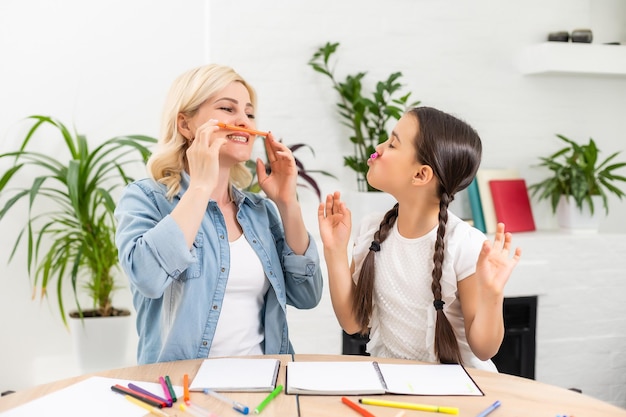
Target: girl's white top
(403, 317)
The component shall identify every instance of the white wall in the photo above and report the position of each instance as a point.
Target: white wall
(103, 67)
(106, 67)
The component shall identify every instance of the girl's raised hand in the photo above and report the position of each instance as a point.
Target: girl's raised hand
(495, 262)
(335, 222)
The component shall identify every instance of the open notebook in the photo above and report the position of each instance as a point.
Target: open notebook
(367, 377)
(236, 374)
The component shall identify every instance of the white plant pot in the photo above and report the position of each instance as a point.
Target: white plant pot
(101, 343)
(572, 219)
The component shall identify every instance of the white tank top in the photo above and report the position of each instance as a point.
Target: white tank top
(240, 327)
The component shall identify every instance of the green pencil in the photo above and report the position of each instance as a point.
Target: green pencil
(170, 388)
(267, 399)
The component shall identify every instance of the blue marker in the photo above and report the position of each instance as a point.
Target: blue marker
(236, 405)
(489, 409)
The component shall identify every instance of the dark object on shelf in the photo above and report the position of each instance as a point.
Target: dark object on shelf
(582, 35)
(561, 36)
(7, 393)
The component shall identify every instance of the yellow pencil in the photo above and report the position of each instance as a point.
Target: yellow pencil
(410, 406)
(147, 406)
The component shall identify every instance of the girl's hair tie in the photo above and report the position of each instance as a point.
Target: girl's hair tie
(438, 304)
(375, 246)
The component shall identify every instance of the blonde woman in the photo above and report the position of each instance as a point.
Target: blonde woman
(212, 267)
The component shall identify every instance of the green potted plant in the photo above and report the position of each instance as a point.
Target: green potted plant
(365, 114)
(578, 178)
(69, 234)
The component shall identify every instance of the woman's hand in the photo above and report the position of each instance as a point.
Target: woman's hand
(280, 184)
(335, 222)
(203, 156)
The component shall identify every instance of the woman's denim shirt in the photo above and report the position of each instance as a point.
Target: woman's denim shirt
(178, 292)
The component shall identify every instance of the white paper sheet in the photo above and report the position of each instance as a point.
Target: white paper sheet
(92, 397)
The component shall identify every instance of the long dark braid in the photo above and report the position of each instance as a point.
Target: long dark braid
(446, 345)
(362, 301)
(453, 150)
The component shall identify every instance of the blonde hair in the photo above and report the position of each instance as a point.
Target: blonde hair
(188, 92)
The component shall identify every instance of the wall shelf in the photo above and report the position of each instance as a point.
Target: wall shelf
(573, 58)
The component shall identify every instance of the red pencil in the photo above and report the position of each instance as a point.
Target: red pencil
(356, 408)
(142, 397)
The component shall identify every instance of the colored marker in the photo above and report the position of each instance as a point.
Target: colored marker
(489, 409)
(243, 409)
(410, 406)
(242, 129)
(166, 391)
(186, 388)
(141, 397)
(149, 394)
(356, 408)
(197, 410)
(170, 388)
(148, 407)
(267, 399)
(374, 155)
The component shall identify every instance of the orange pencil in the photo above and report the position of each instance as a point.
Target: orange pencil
(186, 388)
(242, 129)
(356, 408)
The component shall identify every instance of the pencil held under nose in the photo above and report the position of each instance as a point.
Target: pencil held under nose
(242, 129)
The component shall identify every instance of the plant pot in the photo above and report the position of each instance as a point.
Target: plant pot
(101, 343)
(573, 219)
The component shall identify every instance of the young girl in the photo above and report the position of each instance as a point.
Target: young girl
(423, 283)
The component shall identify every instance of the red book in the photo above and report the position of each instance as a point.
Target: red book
(512, 205)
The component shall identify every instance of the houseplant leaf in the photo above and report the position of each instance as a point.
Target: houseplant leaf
(365, 114)
(70, 229)
(578, 173)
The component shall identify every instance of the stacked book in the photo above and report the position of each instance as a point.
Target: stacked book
(500, 196)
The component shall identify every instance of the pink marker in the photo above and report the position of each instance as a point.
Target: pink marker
(374, 155)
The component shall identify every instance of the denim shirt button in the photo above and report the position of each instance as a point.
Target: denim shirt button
(271, 272)
(221, 236)
(223, 269)
(204, 343)
(214, 306)
(253, 240)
